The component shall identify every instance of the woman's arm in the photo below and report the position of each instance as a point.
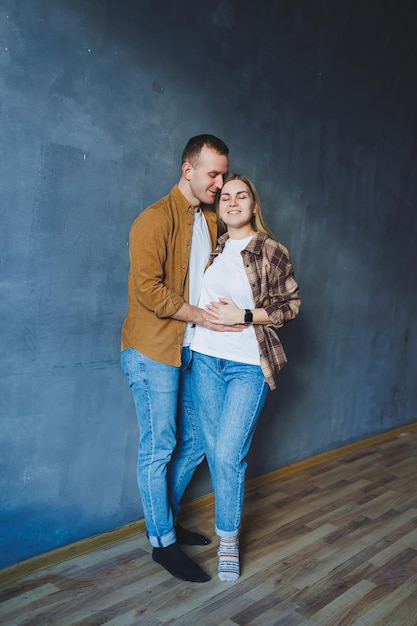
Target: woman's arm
(283, 303)
(278, 291)
(227, 313)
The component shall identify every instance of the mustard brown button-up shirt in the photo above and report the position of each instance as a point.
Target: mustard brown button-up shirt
(159, 248)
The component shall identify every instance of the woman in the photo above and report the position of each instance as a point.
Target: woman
(250, 280)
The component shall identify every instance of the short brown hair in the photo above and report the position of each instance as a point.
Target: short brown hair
(194, 146)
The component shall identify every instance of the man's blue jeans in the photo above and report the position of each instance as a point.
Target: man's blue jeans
(229, 397)
(169, 446)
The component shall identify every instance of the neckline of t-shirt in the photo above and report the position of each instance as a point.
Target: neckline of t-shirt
(239, 243)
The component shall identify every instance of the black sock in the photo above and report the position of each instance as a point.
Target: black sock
(189, 538)
(177, 563)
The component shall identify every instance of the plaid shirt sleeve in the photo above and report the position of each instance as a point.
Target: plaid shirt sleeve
(274, 288)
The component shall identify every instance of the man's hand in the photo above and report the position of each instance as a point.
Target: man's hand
(220, 327)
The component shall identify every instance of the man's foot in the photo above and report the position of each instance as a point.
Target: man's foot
(177, 563)
(189, 538)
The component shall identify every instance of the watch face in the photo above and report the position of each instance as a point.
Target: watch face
(248, 316)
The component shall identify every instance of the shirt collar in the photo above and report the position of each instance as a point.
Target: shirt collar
(254, 245)
(185, 206)
(180, 199)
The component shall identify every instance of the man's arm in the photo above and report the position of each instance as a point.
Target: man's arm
(148, 245)
(195, 315)
(149, 241)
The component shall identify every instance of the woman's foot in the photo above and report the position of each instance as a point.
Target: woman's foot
(228, 553)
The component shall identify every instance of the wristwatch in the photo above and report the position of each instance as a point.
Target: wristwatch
(248, 316)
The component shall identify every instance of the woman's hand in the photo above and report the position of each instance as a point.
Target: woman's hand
(225, 312)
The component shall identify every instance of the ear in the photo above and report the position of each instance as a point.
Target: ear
(186, 170)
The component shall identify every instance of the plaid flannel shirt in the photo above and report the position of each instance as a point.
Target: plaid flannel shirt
(271, 277)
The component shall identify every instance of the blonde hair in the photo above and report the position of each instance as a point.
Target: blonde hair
(258, 220)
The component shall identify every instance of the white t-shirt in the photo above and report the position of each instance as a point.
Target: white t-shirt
(226, 278)
(199, 256)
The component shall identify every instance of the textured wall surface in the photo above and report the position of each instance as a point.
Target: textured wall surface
(317, 102)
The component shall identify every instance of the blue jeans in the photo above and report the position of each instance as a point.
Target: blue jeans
(229, 397)
(169, 444)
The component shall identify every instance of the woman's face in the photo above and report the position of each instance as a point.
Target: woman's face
(236, 205)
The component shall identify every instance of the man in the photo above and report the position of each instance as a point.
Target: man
(170, 243)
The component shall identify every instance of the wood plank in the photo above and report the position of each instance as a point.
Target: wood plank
(330, 545)
(332, 613)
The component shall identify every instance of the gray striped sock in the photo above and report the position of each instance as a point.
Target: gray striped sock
(228, 553)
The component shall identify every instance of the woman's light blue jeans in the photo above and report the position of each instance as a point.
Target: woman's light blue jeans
(229, 397)
(169, 444)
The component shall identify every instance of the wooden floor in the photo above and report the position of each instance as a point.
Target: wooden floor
(333, 544)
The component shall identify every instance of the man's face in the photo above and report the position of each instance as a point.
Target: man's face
(206, 177)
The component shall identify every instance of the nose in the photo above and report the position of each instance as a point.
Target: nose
(219, 181)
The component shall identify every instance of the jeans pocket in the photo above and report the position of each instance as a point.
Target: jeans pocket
(186, 358)
(125, 358)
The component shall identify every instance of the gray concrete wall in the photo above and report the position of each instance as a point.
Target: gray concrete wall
(317, 101)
